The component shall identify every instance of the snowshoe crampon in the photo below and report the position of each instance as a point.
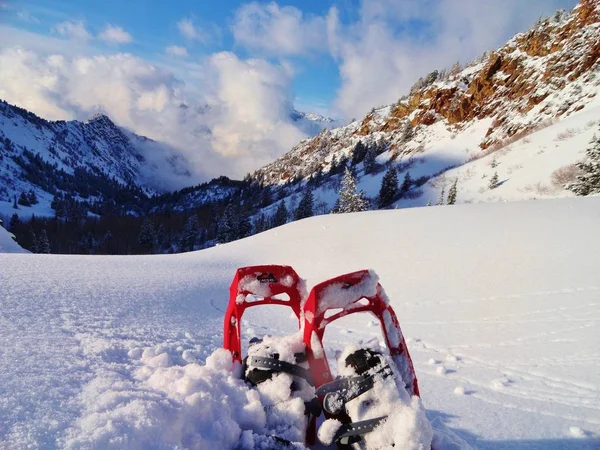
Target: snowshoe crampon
(373, 393)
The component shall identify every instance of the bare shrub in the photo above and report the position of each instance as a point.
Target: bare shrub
(564, 175)
(567, 134)
(538, 188)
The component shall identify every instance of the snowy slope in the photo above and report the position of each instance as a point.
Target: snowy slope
(7, 244)
(532, 105)
(499, 306)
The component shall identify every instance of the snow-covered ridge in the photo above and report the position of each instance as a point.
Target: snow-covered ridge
(538, 78)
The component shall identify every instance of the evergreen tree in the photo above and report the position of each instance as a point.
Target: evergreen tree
(389, 187)
(494, 181)
(43, 244)
(305, 207)
(15, 206)
(14, 222)
(342, 164)
(588, 182)
(360, 150)
(370, 162)
(281, 215)
(260, 223)
(452, 193)
(32, 197)
(34, 243)
(406, 184)
(227, 229)
(243, 227)
(189, 237)
(333, 167)
(440, 201)
(23, 199)
(349, 199)
(147, 236)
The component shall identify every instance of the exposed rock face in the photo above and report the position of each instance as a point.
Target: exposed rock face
(536, 74)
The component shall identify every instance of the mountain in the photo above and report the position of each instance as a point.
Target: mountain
(311, 123)
(84, 159)
(531, 106)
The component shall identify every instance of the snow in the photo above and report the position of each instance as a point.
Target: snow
(7, 244)
(100, 352)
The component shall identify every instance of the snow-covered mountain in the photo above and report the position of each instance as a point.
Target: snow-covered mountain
(311, 123)
(498, 304)
(45, 156)
(526, 111)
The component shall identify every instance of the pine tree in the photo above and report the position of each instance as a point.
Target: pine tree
(24, 200)
(389, 187)
(452, 193)
(281, 215)
(440, 201)
(334, 166)
(406, 184)
(588, 182)
(227, 229)
(189, 236)
(147, 236)
(494, 181)
(15, 206)
(360, 150)
(370, 162)
(34, 243)
(14, 222)
(305, 207)
(32, 197)
(260, 223)
(243, 227)
(349, 199)
(43, 244)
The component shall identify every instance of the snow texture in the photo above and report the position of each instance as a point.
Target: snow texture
(115, 352)
(7, 244)
(406, 425)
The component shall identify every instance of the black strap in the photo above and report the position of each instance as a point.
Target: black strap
(280, 366)
(339, 392)
(350, 430)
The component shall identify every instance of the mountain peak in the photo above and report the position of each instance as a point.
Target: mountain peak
(100, 117)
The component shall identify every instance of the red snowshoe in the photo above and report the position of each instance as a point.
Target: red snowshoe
(374, 388)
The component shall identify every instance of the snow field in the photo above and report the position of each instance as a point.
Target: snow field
(100, 352)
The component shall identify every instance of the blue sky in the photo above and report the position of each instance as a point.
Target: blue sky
(218, 80)
(153, 27)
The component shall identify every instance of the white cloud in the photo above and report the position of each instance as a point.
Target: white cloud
(176, 50)
(394, 42)
(254, 104)
(190, 31)
(279, 31)
(115, 35)
(229, 117)
(26, 16)
(73, 30)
